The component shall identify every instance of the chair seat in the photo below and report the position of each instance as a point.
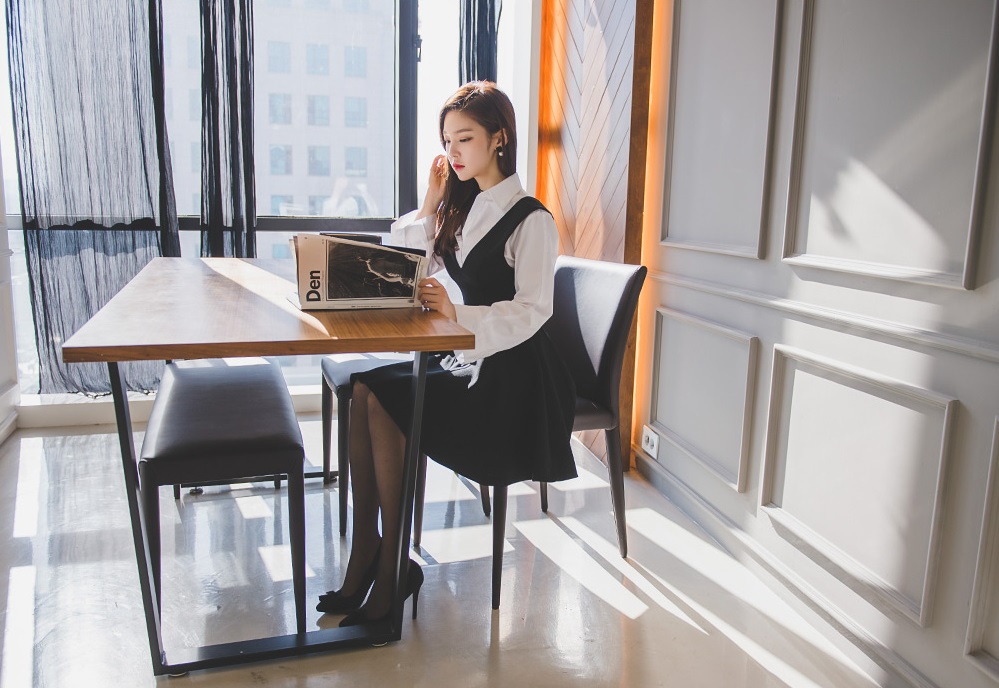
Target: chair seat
(225, 413)
(591, 416)
(338, 369)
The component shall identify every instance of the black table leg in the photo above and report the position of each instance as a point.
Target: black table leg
(412, 459)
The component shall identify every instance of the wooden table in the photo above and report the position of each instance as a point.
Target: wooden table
(187, 308)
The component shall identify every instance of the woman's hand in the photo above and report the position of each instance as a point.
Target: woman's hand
(434, 296)
(435, 187)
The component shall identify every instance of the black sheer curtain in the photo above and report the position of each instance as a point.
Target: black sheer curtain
(228, 197)
(477, 40)
(93, 163)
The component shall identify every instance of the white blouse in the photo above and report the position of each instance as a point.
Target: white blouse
(531, 251)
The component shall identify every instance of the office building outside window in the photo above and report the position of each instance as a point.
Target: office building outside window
(355, 112)
(281, 204)
(317, 205)
(278, 57)
(317, 59)
(279, 108)
(355, 161)
(281, 160)
(319, 161)
(355, 61)
(319, 111)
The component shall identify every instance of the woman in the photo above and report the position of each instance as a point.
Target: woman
(497, 414)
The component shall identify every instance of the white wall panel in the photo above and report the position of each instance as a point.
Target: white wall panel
(982, 644)
(705, 376)
(717, 165)
(854, 469)
(892, 135)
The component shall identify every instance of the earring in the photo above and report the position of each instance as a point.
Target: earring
(499, 151)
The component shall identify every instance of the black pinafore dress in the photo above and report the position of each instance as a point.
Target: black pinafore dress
(505, 418)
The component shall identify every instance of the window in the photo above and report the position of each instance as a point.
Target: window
(167, 51)
(278, 57)
(319, 161)
(280, 108)
(168, 103)
(317, 59)
(280, 160)
(317, 204)
(355, 61)
(355, 5)
(281, 205)
(355, 161)
(319, 111)
(196, 158)
(355, 112)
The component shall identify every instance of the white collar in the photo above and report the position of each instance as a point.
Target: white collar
(501, 194)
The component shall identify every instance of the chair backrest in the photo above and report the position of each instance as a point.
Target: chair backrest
(595, 302)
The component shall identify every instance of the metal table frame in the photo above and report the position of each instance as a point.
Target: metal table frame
(295, 644)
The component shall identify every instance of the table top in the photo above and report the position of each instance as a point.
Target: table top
(184, 308)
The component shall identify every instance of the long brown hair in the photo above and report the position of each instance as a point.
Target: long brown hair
(491, 108)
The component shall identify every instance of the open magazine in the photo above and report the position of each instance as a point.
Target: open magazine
(335, 272)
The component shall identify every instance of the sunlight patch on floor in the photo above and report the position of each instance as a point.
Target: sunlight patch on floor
(566, 553)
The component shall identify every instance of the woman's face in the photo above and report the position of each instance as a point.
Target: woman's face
(469, 147)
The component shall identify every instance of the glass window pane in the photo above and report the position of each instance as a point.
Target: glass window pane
(280, 160)
(319, 111)
(355, 161)
(319, 161)
(355, 61)
(341, 69)
(279, 110)
(355, 112)
(317, 59)
(278, 57)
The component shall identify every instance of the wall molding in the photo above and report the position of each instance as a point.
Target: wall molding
(738, 541)
(966, 278)
(736, 481)
(7, 426)
(758, 251)
(844, 321)
(860, 578)
(985, 568)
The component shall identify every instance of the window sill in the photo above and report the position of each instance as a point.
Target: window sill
(62, 410)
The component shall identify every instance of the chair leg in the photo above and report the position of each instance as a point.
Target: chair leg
(327, 430)
(296, 526)
(484, 491)
(544, 498)
(615, 471)
(499, 539)
(176, 491)
(277, 482)
(343, 441)
(150, 497)
(421, 490)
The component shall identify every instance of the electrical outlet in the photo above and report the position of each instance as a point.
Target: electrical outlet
(650, 441)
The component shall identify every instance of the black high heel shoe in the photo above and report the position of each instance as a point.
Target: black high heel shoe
(333, 602)
(414, 581)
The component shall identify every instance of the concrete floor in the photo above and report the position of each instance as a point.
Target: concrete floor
(678, 612)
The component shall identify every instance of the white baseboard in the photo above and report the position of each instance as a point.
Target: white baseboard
(868, 652)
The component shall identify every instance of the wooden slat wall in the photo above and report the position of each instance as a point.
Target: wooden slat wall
(584, 122)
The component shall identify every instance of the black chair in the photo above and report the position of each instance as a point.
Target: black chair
(337, 370)
(212, 424)
(595, 303)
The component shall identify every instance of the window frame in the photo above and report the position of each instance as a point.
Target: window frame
(407, 56)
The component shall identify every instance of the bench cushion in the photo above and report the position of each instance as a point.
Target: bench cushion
(219, 412)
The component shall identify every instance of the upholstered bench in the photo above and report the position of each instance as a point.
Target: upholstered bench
(216, 423)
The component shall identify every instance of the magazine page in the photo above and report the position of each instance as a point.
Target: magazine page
(334, 272)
